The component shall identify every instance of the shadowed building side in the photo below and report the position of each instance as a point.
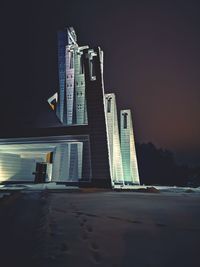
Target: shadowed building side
(96, 117)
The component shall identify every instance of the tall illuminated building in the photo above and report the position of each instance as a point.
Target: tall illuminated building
(87, 150)
(129, 159)
(71, 107)
(81, 86)
(61, 105)
(115, 158)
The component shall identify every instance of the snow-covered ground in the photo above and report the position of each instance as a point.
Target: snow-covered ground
(110, 229)
(3, 194)
(32, 186)
(172, 189)
(54, 186)
(125, 229)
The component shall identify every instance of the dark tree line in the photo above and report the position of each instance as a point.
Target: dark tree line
(158, 167)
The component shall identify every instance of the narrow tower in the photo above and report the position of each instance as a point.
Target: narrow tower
(129, 159)
(71, 107)
(114, 150)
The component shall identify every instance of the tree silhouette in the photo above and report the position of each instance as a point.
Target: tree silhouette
(158, 167)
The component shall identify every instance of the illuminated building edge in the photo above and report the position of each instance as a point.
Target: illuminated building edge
(72, 108)
(89, 150)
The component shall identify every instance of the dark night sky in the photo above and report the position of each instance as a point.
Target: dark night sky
(152, 62)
